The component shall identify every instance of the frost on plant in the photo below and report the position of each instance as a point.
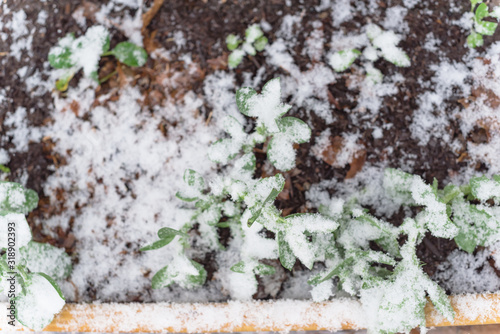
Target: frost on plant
(245, 205)
(482, 27)
(254, 42)
(380, 44)
(72, 54)
(28, 268)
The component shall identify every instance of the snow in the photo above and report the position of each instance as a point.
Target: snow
(467, 273)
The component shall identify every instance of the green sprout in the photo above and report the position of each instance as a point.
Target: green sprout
(255, 41)
(481, 27)
(84, 52)
(382, 44)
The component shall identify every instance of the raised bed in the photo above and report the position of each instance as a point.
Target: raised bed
(286, 315)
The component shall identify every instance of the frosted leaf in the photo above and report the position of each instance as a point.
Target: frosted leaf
(22, 230)
(439, 298)
(262, 194)
(373, 31)
(224, 150)
(47, 259)
(374, 75)
(253, 33)
(280, 151)
(295, 234)
(232, 42)
(60, 55)
(411, 189)
(235, 58)
(261, 190)
(474, 225)
(195, 184)
(43, 300)
(267, 106)
(370, 54)
(342, 60)
(286, 256)
(14, 198)
(242, 286)
(249, 49)
(87, 49)
(211, 215)
(483, 188)
(386, 42)
(187, 273)
(244, 167)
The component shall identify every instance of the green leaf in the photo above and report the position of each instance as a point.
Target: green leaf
(232, 42)
(440, 300)
(260, 44)
(106, 45)
(238, 267)
(280, 151)
(63, 82)
(164, 277)
(449, 193)
(486, 28)
(60, 55)
(130, 54)
(197, 280)
(235, 58)
(242, 97)
(185, 197)
(475, 40)
(167, 232)
(158, 244)
(481, 12)
(41, 300)
(4, 169)
(286, 256)
(47, 259)
(194, 179)
(342, 60)
(14, 198)
(253, 33)
(161, 279)
(256, 212)
(264, 269)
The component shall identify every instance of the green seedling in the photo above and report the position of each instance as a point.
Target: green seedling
(84, 52)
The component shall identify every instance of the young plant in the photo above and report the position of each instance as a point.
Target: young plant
(255, 41)
(84, 52)
(380, 44)
(245, 205)
(28, 269)
(480, 27)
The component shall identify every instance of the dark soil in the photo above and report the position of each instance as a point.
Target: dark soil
(205, 26)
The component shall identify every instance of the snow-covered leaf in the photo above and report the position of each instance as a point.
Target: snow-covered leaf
(235, 58)
(14, 198)
(47, 259)
(280, 150)
(232, 42)
(342, 60)
(130, 54)
(39, 304)
(267, 106)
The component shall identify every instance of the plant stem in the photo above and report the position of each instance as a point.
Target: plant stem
(107, 77)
